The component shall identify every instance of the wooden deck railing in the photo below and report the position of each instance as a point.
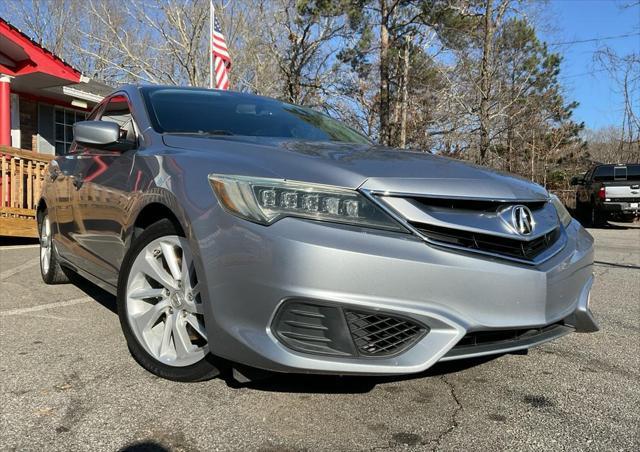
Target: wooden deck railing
(22, 175)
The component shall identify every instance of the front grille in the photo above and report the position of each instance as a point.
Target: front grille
(482, 205)
(382, 335)
(521, 249)
(637, 199)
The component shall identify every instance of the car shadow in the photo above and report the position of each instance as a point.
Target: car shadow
(144, 446)
(100, 295)
(348, 384)
(17, 241)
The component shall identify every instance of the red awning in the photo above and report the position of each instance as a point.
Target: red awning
(20, 56)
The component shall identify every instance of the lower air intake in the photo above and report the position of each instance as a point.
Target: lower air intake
(328, 329)
(382, 335)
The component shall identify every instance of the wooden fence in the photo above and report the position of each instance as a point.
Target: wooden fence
(22, 176)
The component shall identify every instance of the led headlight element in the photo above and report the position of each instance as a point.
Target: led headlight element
(563, 213)
(266, 201)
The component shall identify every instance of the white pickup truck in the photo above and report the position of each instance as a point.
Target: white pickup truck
(608, 191)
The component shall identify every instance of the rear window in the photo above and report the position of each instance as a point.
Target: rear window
(611, 173)
(214, 112)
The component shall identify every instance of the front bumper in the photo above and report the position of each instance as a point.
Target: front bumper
(248, 270)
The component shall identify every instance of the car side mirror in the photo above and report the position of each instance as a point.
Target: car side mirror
(575, 180)
(105, 135)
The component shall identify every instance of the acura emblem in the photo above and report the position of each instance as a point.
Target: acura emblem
(522, 220)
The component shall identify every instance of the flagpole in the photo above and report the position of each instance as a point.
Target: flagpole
(211, 80)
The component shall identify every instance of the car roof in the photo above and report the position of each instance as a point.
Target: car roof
(241, 94)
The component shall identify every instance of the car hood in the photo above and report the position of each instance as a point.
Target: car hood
(354, 166)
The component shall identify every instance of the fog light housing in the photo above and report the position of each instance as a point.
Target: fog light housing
(329, 329)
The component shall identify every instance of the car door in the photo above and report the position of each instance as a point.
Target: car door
(102, 183)
(583, 189)
(62, 172)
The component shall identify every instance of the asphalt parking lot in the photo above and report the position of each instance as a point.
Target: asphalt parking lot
(67, 382)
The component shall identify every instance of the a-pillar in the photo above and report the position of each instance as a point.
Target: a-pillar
(5, 110)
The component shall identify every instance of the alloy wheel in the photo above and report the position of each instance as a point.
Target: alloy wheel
(163, 303)
(45, 245)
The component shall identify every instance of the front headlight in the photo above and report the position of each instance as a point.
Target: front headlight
(563, 213)
(265, 201)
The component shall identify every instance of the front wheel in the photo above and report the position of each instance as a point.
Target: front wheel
(160, 306)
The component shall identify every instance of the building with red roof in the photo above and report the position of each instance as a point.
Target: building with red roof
(41, 96)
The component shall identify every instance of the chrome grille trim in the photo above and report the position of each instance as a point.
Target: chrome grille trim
(554, 249)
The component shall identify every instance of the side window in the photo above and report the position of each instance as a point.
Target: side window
(587, 177)
(603, 174)
(117, 110)
(96, 111)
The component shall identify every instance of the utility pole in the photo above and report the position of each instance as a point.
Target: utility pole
(384, 73)
(485, 80)
(405, 93)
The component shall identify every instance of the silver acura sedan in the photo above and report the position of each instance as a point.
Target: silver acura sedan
(240, 227)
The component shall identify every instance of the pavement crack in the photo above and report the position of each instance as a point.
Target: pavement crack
(453, 423)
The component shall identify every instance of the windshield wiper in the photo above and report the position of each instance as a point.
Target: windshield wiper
(218, 132)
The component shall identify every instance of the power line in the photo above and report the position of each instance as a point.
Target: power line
(604, 38)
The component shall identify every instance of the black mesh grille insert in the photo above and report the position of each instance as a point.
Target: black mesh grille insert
(521, 249)
(327, 329)
(382, 335)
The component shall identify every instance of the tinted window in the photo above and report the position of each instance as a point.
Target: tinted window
(610, 173)
(603, 174)
(633, 173)
(620, 173)
(224, 113)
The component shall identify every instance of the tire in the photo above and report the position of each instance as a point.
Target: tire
(50, 269)
(580, 215)
(597, 218)
(161, 315)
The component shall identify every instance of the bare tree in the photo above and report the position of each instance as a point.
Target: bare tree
(299, 39)
(625, 71)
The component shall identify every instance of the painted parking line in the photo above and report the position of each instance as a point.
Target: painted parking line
(18, 247)
(12, 271)
(42, 307)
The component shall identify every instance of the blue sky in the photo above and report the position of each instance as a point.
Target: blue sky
(575, 20)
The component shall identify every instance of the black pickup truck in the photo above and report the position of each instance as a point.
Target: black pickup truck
(607, 192)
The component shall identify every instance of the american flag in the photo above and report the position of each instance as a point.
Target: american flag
(220, 59)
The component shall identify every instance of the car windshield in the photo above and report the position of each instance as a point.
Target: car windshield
(224, 113)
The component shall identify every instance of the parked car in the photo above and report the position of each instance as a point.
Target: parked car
(237, 226)
(608, 192)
